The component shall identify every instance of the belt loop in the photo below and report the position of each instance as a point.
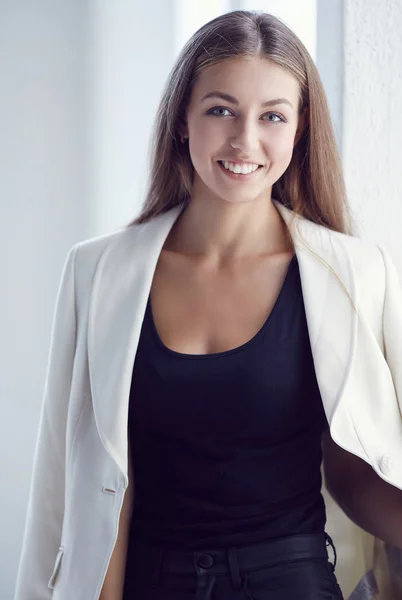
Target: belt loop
(234, 568)
(329, 542)
(157, 567)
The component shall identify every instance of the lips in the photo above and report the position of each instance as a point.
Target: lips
(239, 176)
(222, 165)
(239, 162)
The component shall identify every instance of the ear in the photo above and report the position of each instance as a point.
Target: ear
(301, 126)
(182, 128)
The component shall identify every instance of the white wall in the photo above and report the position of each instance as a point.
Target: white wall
(43, 212)
(301, 17)
(329, 59)
(131, 50)
(372, 126)
(190, 16)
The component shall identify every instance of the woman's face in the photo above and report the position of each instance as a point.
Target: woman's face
(227, 121)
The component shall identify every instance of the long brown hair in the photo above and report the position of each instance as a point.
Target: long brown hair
(313, 184)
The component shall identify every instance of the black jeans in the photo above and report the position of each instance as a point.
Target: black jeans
(289, 568)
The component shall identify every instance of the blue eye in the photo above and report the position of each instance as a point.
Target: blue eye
(281, 119)
(213, 112)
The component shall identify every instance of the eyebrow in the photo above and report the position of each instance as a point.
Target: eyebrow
(232, 99)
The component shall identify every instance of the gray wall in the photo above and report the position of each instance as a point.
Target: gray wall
(43, 212)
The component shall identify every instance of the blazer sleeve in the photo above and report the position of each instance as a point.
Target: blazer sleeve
(392, 322)
(44, 517)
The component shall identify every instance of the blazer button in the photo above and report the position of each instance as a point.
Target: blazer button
(385, 464)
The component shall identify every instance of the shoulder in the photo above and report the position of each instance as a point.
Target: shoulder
(372, 263)
(92, 248)
(358, 263)
(364, 254)
(88, 252)
(362, 258)
(117, 245)
(360, 252)
(85, 256)
(90, 255)
(368, 272)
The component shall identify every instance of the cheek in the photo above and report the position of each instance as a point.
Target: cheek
(279, 149)
(205, 142)
(280, 144)
(204, 136)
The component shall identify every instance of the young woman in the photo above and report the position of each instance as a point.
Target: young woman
(210, 357)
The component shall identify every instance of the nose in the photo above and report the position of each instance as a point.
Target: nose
(246, 137)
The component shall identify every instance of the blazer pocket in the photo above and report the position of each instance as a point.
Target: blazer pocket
(57, 563)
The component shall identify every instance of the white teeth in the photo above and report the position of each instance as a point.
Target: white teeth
(236, 168)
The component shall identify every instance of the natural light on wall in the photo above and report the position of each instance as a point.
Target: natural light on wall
(299, 16)
(190, 16)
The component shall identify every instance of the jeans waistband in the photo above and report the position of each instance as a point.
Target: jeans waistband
(234, 559)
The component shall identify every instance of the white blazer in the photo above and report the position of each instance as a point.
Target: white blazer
(80, 465)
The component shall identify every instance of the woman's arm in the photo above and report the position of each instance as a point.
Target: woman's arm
(369, 501)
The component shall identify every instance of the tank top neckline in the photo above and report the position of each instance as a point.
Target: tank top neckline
(231, 351)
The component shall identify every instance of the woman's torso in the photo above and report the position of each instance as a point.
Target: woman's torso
(225, 414)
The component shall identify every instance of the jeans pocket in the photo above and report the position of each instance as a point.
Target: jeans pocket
(304, 580)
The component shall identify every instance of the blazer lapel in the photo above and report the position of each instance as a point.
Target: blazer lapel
(120, 290)
(329, 294)
(119, 295)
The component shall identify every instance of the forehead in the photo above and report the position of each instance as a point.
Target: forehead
(257, 79)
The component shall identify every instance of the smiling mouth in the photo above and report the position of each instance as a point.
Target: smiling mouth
(236, 163)
(221, 163)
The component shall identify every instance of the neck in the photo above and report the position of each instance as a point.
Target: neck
(222, 232)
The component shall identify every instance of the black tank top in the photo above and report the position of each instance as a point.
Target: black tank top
(226, 447)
